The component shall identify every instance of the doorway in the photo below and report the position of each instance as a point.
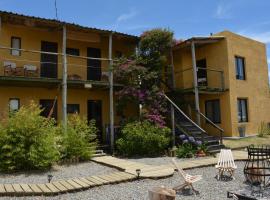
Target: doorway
(202, 72)
(93, 66)
(94, 112)
(46, 106)
(48, 66)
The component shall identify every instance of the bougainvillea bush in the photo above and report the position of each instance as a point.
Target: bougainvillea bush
(141, 75)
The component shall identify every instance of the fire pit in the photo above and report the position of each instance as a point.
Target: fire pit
(257, 167)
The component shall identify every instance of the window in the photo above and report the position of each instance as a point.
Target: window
(240, 68)
(212, 110)
(242, 110)
(14, 104)
(15, 43)
(73, 108)
(73, 51)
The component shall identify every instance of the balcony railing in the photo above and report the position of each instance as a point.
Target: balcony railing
(209, 79)
(32, 65)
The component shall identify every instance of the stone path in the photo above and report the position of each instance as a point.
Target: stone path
(127, 173)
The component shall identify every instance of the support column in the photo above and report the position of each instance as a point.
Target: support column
(64, 78)
(111, 94)
(172, 107)
(195, 83)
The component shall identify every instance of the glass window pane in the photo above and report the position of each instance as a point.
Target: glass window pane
(244, 111)
(14, 104)
(16, 43)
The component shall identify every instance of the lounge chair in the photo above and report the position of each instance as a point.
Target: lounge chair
(189, 179)
(225, 163)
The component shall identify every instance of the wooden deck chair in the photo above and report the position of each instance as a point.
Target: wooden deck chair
(188, 179)
(225, 163)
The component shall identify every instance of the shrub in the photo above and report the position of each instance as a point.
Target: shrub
(263, 130)
(186, 150)
(77, 142)
(143, 139)
(27, 140)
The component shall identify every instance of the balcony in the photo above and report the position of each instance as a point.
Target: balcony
(32, 70)
(210, 80)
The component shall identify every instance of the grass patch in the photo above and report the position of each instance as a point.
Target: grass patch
(243, 142)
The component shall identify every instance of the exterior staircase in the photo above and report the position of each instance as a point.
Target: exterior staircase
(186, 126)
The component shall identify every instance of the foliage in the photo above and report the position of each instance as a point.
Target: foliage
(141, 76)
(143, 138)
(27, 140)
(77, 142)
(263, 130)
(186, 150)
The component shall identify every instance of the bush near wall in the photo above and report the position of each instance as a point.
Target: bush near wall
(78, 142)
(30, 141)
(143, 139)
(27, 140)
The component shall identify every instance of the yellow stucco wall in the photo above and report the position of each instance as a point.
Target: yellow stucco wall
(255, 88)
(31, 39)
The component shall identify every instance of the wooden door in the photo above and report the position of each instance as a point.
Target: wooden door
(93, 66)
(94, 112)
(202, 72)
(48, 62)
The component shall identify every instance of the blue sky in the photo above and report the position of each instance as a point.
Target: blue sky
(186, 18)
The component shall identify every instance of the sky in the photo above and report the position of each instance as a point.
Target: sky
(186, 18)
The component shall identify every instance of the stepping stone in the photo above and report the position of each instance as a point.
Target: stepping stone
(35, 189)
(26, 188)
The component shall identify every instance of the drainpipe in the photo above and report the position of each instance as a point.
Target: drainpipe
(64, 79)
(111, 93)
(195, 82)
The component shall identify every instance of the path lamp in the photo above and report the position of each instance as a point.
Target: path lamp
(138, 172)
(50, 176)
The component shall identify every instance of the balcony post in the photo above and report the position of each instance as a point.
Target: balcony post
(111, 94)
(64, 79)
(196, 90)
(222, 80)
(172, 108)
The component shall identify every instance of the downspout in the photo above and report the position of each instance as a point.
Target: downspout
(111, 93)
(64, 79)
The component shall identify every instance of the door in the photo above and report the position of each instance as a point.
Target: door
(202, 72)
(48, 106)
(48, 66)
(94, 111)
(93, 66)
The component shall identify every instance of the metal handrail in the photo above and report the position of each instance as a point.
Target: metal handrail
(214, 125)
(179, 110)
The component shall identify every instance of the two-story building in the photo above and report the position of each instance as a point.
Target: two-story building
(232, 82)
(223, 77)
(31, 57)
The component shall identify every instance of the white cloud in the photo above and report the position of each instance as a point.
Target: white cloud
(126, 16)
(223, 11)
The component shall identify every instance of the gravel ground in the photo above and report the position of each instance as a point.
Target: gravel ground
(161, 160)
(209, 187)
(58, 172)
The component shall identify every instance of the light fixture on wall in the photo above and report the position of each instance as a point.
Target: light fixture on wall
(88, 86)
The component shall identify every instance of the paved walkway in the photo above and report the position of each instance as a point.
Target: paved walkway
(128, 173)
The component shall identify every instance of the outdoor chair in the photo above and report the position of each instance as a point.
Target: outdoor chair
(9, 68)
(30, 70)
(188, 179)
(225, 163)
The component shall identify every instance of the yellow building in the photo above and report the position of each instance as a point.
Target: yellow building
(230, 86)
(232, 81)
(34, 72)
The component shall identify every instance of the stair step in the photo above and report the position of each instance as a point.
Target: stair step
(212, 148)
